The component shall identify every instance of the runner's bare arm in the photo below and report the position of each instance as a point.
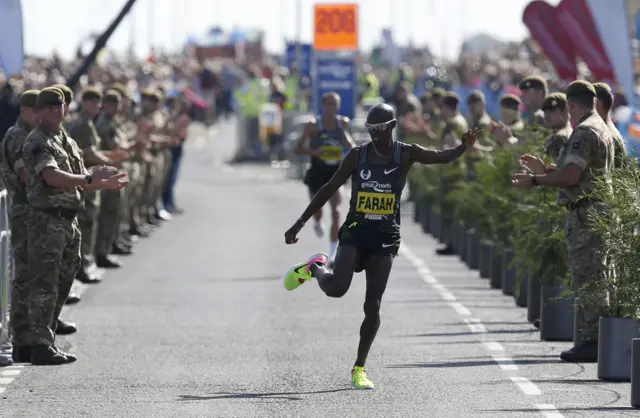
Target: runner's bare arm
(307, 134)
(421, 155)
(348, 139)
(348, 165)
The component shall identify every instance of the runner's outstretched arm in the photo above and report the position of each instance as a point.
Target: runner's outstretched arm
(347, 167)
(348, 139)
(422, 155)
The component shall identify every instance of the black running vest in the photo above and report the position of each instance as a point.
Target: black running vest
(376, 189)
(332, 142)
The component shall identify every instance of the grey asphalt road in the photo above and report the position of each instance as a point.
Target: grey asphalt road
(198, 324)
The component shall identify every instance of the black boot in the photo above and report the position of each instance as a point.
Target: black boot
(108, 262)
(46, 355)
(65, 328)
(73, 298)
(586, 352)
(21, 354)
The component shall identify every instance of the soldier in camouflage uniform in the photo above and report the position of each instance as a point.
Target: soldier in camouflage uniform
(603, 106)
(511, 118)
(589, 154)
(55, 178)
(83, 131)
(478, 121)
(454, 125)
(14, 177)
(556, 117)
(112, 143)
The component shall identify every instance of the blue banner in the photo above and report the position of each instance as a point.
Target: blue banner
(11, 41)
(306, 59)
(338, 74)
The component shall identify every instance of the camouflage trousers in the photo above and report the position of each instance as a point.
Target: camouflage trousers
(54, 261)
(150, 173)
(134, 193)
(88, 223)
(19, 314)
(588, 267)
(108, 222)
(164, 167)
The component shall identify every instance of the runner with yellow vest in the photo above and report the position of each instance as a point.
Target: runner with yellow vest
(324, 141)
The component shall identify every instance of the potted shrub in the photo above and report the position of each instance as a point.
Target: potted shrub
(426, 180)
(617, 227)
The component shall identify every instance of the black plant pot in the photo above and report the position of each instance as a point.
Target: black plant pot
(522, 292)
(434, 224)
(495, 279)
(425, 216)
(473, 249)
(486, 255)
(454, 242)
(508, 273)
(533, 299)
(417, 211)
(462, 243)
(556, 315)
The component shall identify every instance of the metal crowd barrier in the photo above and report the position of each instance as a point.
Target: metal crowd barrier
(6, 272)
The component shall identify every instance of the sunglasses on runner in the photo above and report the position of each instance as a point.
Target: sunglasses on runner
(378, 126)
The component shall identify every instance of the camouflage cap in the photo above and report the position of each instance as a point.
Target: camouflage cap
(66, 91)
(51, 96)
(533, 82)
(510, 101)
(451, 99)
(476, 96)
(29, 98)
(438, 92)
(554, 101)
(91, 93)
(112, 96)
(580, 88)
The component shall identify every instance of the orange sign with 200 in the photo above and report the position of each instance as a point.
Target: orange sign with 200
(335, 27)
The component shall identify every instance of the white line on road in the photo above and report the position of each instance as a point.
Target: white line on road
(9, 372)
(477, 327)
(549, 411)
(526, 386)
(5, 380)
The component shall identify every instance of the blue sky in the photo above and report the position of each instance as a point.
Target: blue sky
(166, 23)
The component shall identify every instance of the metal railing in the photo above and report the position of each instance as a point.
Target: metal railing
(6, 270)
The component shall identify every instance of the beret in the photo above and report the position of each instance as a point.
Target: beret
(437, 92)
(475, 97)
(51, 96)
(66, 91)
(150, 94)
(532, 82)
(120, 88)
(451, 99)
(554, 101)
(602, 90)
(510, 101)
(91, 93)
(29, 98)
(112, 96)
(580, 88)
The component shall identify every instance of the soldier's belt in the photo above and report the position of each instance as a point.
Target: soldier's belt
(65, 213)
(581, 203)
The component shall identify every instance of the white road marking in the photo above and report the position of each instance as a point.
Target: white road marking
(6, 380)
(526, 386)
(9, 372)
(460, 309)
(2, 390)
(476, 326)
(549, 411)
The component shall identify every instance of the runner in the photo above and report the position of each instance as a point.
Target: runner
(370, 236)
(324, 140)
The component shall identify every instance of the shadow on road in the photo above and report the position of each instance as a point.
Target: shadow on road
(460, 334)
(585, 408)
(292, 396)
(478, 363)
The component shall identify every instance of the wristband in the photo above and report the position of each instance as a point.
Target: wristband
(89, 178)
(534, 181)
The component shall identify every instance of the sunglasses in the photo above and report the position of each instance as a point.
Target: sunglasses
(379, 126)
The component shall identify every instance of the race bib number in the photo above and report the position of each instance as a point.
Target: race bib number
(269, 119)
(331, 153)
(376, 203)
